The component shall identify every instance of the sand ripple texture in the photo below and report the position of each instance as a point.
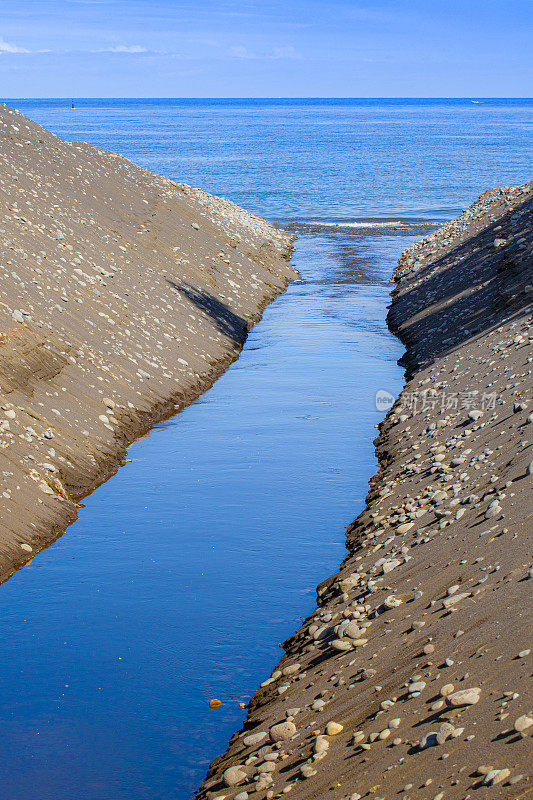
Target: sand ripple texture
(412, 677)
(123, 295)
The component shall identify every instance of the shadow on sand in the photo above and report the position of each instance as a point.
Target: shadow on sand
(469, 290)
(228, 323)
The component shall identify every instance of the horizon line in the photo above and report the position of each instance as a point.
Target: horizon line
(275, 97)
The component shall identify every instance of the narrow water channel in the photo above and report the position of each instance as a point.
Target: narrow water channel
(186, 570)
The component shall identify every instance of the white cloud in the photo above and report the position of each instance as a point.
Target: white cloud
(123, 48)
(240, 52)
(284, 52)
(275, 53)
(5, 47)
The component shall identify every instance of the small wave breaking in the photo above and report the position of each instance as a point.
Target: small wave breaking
(370, 223)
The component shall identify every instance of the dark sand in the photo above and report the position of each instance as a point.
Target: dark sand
(123, 295)
(434, 597)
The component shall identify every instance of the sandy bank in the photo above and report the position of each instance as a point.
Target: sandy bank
(123, 295)
(412, 678)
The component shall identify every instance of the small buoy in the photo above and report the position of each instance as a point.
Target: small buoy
(214, 704)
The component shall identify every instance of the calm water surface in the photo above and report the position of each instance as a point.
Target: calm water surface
(187, 568)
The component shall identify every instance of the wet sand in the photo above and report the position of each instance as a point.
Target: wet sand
(124, 295)
(412, 676)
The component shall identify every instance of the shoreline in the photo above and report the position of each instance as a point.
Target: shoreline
(124, 297)
(412, 676)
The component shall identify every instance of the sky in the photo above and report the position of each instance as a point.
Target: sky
(266, 48)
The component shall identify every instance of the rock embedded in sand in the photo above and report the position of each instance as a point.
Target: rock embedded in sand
(282, 731)
(523, 723)
(321, 744)
(446, 730)
(496, 776)
(307, 771)
(254, 738)
(449, 602)
(464, 697)
(389, 565)
(429, 740)
(404, 527)
(333, 728)
(291, 669)
(351, 629)
(234, 776)
(341, 644)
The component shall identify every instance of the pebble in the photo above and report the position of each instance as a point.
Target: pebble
(282, 731)
(464, 697)
(523, 723)
(307, 771)
(404, 527)
(254, 738)
(321, 744)
(341, 644)
(266, 767)
(233, 776)
(446, 689)
(448, 602)
(446, 730)
(388, 566)
(429, 740)
(350, 629)
(496, 776)
(332, 728)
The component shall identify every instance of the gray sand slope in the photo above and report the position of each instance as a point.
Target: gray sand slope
(123, 295)
(412, 678)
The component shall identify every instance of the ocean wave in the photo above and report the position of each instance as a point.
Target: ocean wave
(386, 223)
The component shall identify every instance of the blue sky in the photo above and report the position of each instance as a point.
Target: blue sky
(266, 48)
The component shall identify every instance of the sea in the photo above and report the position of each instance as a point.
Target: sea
(186, 571)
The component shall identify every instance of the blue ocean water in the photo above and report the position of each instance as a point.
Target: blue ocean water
(186, 569)
(314, 158)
